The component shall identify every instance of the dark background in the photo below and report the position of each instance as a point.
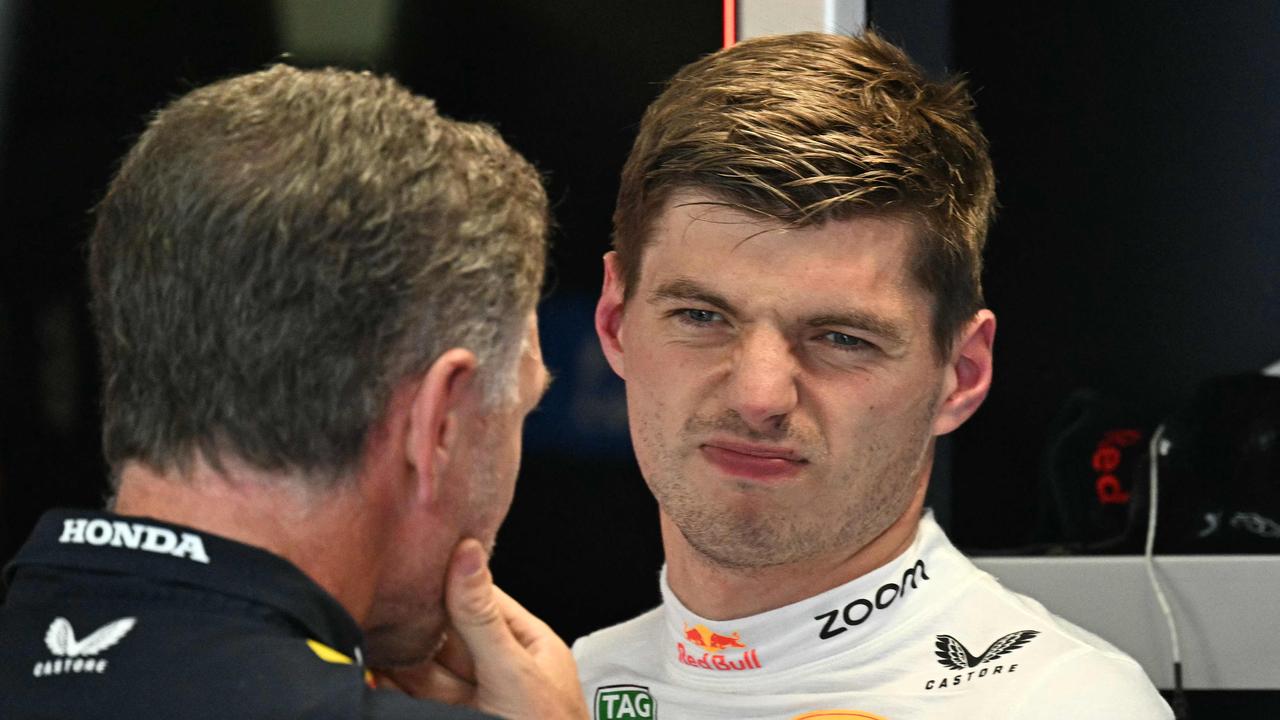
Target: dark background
(1137, 147)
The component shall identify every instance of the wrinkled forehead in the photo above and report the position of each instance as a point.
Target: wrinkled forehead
(866, 259)
(690, 216)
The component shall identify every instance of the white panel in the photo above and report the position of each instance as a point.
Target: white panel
(336, 30)
(775, 17)
(846, 17)
(1225, 606)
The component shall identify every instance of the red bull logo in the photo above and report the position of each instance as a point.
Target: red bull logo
(710, 640)
(715, 644)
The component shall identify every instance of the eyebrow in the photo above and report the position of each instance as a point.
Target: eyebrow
(684, 288)
(876, 324)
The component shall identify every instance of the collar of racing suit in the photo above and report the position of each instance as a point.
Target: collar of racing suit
(847, 616)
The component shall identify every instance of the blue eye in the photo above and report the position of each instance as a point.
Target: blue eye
(844, 341)
(700, 317)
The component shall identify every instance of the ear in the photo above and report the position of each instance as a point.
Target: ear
(968, 373)
(609, 314)
(447, 397)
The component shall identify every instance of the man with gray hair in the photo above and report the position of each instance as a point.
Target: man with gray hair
(315, 300)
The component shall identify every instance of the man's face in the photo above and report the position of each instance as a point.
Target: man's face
(782, 385)
(474, 491)
(493, 450)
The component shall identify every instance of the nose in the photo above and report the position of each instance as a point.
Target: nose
(762, 389)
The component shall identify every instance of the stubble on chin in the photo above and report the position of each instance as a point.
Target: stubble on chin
(747, 534)
(749, 531)
(406, 644)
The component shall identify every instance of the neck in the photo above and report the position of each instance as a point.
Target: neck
(718, 593)
(324, 533)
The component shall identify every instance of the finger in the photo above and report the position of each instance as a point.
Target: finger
(474, 608)
(429, 680)
(453, 656)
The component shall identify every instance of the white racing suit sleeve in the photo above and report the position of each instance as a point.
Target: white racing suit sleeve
(1078, 686)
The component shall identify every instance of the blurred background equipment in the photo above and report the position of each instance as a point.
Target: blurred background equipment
(1220, 478)
(1092, 477)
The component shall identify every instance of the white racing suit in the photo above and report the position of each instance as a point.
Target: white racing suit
(928, 635)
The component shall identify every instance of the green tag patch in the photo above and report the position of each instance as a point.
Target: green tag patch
(621, 702)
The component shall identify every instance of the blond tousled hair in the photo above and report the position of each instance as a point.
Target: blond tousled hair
(807, 128)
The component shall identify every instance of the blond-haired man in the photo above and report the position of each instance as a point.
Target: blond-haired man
(794, 302)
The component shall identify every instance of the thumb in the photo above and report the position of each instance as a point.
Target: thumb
(474, 610)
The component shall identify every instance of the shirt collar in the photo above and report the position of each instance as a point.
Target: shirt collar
(845, 617)
(85, 540)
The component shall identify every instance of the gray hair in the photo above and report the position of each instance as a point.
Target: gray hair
(279, 250)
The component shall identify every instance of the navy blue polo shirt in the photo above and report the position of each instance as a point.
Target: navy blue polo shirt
(110, 616)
